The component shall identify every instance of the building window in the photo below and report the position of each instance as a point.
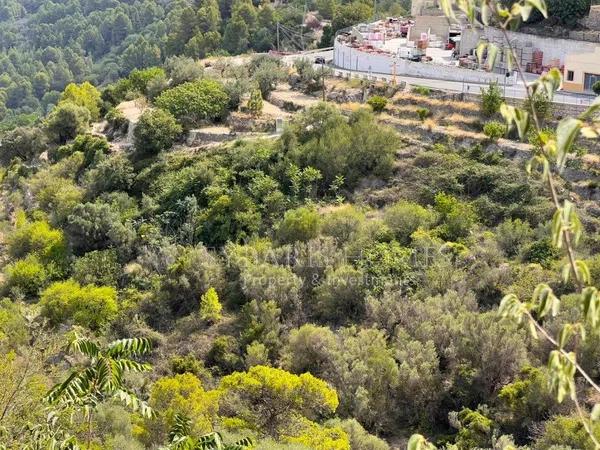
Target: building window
(570, 75)
(589, 80)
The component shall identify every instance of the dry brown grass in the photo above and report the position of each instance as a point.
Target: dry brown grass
(456, 118)
(430, 124)
(353, 106)
(403, 98)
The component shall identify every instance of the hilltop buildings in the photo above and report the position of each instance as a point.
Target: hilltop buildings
(430, 46)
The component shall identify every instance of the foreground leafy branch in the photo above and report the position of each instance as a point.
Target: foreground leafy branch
(102, 377)
(182, 439)
(549, 159)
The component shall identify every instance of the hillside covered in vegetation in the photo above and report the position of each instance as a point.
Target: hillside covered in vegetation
(334, 287)
(176, 274)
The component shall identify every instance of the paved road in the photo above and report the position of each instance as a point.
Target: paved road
(510, 91)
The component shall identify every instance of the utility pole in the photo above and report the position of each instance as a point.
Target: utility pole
(278, 36)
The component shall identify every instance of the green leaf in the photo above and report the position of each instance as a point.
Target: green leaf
(548, 83)
(533, 330)
(568, 330)
(583, 271)
(561, 370)
(590, 306)
(566, 133)
(540, 5)
(479, 51)
(486, 13)
(595, 414)
(492, 56)
(517, 116)
(127, 347)
(525, 11)
(510, 61)
(446, 6)
(468, 7)
(546, 300)
(418, 442)
(83, 346)
(511, 308)
(592, 110)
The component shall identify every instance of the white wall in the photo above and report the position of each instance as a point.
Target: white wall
(346, 57)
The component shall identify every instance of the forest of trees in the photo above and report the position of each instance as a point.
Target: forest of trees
(45, 45)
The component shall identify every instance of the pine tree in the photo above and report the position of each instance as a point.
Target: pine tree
(210, 307)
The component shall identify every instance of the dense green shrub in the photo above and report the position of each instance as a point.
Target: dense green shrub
(155, 131)
(194, 272)
(377, 102)
(229, 216)
(89, 306)
(94, 148)
(341, 296)
(456, 217)
(25, 277)
(596, 88)
(343, 223)
(85, 95)
(404, 218)
(210, 307)
(224, 355)
(421, 90)
(386, 265)
(97, 226)
(512, 235)
(321, 138)
(182, 69)
(110, 174)
(99, 267)
(567, 12)
(140, 78)
(255, 103)
(494, 130)
(189, 364)
(195, 101)
(40, 239)
(266, 72)
(542, 105)
(301, 224)
(116, 121)
(260, 322)
(25, 143)
(423, 113)
(66, 121)
(491, 99)
(541, 252)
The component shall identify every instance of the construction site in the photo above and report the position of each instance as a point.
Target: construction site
(430, 46)
(426, 46)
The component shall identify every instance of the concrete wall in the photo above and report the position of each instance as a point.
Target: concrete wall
(353, 59)
(553, 48)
